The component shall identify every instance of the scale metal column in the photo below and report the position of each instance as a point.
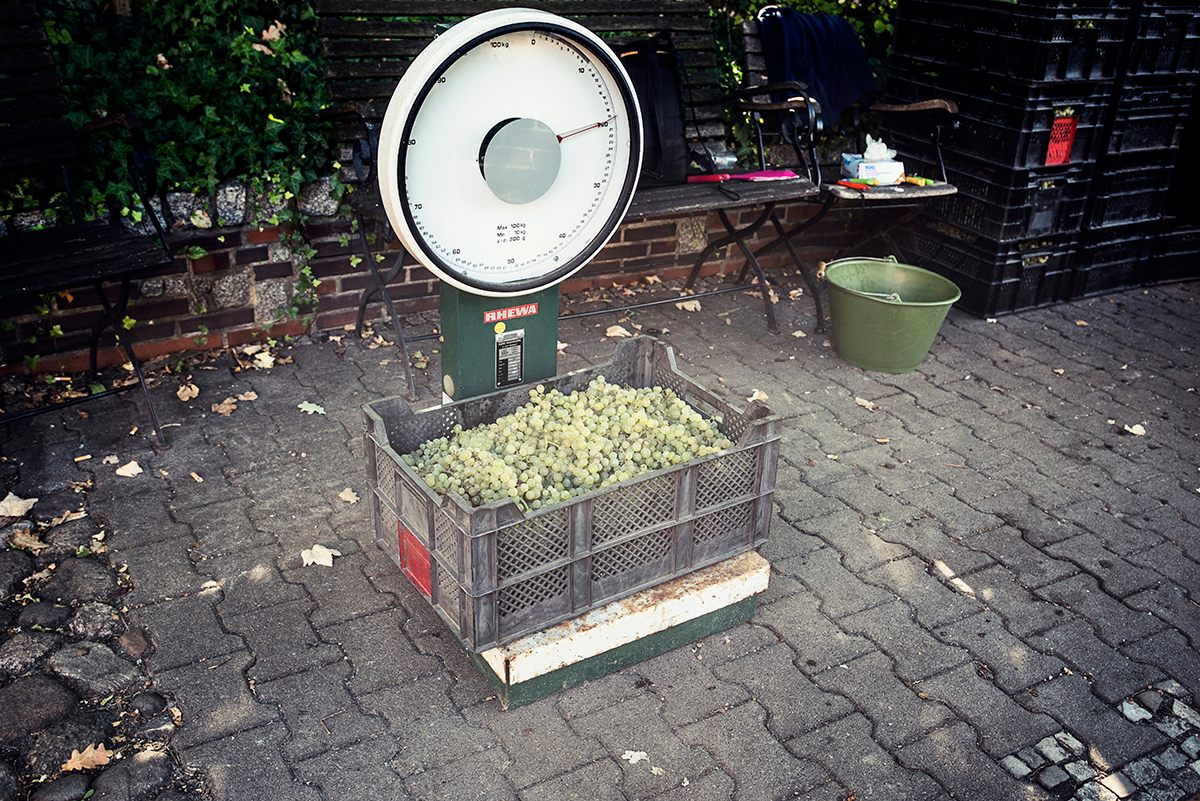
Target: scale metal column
(508, 157)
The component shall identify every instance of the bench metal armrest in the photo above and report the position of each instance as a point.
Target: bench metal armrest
(938, 104)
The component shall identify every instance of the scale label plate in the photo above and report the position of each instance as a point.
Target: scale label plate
(510, 358)
(511, 313)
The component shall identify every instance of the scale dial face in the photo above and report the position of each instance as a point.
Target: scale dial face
(510, 152)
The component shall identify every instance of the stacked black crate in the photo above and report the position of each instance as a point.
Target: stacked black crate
(1128, 226)
(1034, 83)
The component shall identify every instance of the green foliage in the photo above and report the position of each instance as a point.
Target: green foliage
(227, 88)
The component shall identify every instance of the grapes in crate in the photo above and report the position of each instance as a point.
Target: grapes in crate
(558, 446)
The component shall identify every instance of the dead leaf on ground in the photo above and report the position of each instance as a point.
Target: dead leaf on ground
(561, 346)
(199, 479)
(652, 279)
(870, 406)
(883, 440)
(176, 716)
(26, 541)
(187, 392)
(129, 470)
(833, 457)
(110, 459)
(14, 506)
(68, 516)
(614, 331)
(688, 305)
(248, 396)
(1081, 323)
(634, 757)
(799, 334)
(348, 495)
(94, 756)
(656, 770)
(1059, 371)
(319, 555)
(308, 407)
(225, 407)
(756, 395)
(420, 360)
(795, 294)
(1137, 429)
(264, 360)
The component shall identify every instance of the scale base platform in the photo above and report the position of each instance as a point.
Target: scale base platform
(625, 632)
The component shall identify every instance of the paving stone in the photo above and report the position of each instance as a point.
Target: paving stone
(247, 766)
(1163, 790)
(898, 713)
(687, 689)
(1071, 743)
(1053, 777)
(951, 755)
(382, 657)
(861, 549)
(839, 592)
(540, 743)
(476, 777)
(45, 614)
(1113, 674)
(52, 746)
(595, 782)
(283, 641)
(794, 702)
(1003, 726)
(159, 570)
(186, 631)
(1191, 746)
(635, 725)
(250, 581)
(68, 787)
(847, 751)
(916, 654)
(96, 621)
(15, 567)
(1016, 767)
(65, 539)
(1112, 741)
(1052, 750)
(1119, 784)
(761, 767)
(22, 651)
(344, 591)
(425, 725)
(1080, 770)
(1134, 711)
(1014, 665)
(31, 703)
(345, 772)
(1023, 613)
(79, 580)
(1172, 727)
(320, 713)
(92, 669)
(1171, 759)
(734, 643)
(1031, 757)
(138, 778)
(9, 788)
(711, 786)
(1035, 567)
(933, 601)
(215, 700)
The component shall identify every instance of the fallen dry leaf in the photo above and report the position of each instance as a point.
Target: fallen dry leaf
(129, 470)
(756, 395)
(250, 350)
(319, 555)
(199, 479)
(1059, 371)
(652, 279)
(561, 346)
(248, 396)
(225, 407)
(348, 495)
(870, 406)
(13, 506)
(187, 392)
(26, 541)
(656, 770)
(614, 331)
(799, 334)
(264, 360)
(420, 360)
(308, 407)
(1081, 323)
(93, 756)
(634, 757)
(68, 516)
(833, 457)
(795, 294)
(110, 459)
(883, 440)
(1137, 429)
(688, 305)
(176, 716)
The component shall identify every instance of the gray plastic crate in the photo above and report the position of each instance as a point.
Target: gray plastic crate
(496, 573)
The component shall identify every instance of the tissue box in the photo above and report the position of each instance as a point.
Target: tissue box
(883, 172)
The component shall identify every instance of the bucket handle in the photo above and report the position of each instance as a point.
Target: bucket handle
(823, 265)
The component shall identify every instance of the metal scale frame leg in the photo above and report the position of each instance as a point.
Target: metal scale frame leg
(113, 313)
(380, 286)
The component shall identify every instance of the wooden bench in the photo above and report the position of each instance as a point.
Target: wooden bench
(368, 44)
(37, 141)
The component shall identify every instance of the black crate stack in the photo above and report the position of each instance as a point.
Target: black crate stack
(1070, 126)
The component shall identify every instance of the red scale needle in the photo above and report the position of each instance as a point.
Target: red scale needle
(600, 124)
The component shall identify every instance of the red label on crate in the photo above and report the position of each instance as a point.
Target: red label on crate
(414, 560)
(511, 313)
(1062, 139)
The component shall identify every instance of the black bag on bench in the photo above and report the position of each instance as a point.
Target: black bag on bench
(656, 72)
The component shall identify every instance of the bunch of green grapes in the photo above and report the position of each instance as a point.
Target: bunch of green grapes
(560, 446)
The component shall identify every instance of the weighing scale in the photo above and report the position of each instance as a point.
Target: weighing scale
(508, 157)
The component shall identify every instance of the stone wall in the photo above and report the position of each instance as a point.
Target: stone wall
(233, 292)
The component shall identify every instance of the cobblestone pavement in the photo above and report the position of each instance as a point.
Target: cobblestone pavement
(984, 586)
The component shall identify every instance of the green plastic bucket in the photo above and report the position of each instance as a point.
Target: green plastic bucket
(885, 314)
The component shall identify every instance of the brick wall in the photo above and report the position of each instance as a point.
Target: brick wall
(231, 295)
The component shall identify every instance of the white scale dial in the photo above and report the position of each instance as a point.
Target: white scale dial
(510, 152)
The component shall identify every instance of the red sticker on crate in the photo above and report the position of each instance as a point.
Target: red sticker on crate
(1062, 139)
(414, 560)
